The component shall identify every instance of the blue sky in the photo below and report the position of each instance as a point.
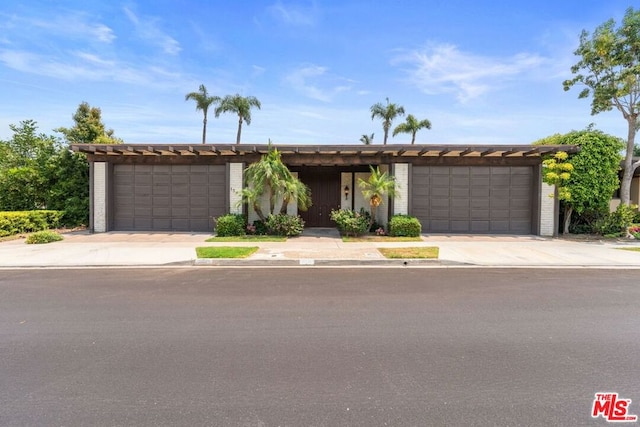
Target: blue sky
(483, 72)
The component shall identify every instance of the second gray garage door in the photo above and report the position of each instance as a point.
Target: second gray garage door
(168, 197)
(464, 199)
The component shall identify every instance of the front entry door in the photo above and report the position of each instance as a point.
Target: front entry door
(325, 194)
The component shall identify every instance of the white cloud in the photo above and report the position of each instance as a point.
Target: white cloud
(443, 68)
(74, 25)
(295, 14)
(308, 79)
(148, 30)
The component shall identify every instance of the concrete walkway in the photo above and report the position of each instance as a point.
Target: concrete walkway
(319, 247)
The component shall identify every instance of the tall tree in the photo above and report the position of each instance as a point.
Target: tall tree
(387, 113)
(609, 70)
(367, 139)
(376, 187)
(203, 102)
(37, 171)
(593, 176)
(412, 126)
(239, 105)
(88, 127)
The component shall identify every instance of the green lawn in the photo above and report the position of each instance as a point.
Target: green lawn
(225, 251)
(426, 252)
(247, 238)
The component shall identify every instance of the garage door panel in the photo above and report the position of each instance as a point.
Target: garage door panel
(480, 226)
(168, 197)
(496, 199)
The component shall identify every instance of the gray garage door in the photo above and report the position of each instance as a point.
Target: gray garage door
(168, 197)
(461, 199)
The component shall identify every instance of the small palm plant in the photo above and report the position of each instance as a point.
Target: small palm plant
(376, 187)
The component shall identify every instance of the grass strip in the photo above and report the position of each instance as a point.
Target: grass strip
(225, 251)
(426, 252)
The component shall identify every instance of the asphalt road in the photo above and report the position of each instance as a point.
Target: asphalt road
(315, 347)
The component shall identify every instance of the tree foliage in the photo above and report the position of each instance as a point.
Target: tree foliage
(609, 71)
(239, 105)
(367, 139)
(203, 102)
(271, 176)
(387, 113)
(412, 126)
(38, 172)
(88, 127)
(376, 187)
(594, 177)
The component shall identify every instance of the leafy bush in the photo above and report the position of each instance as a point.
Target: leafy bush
(351, 223)
(260, 228)
(617, 222)
(285, 225)
(230, 225)
(45, 236)
(404, 225)
(28, 221)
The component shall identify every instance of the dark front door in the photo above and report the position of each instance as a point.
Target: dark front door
(325, 194)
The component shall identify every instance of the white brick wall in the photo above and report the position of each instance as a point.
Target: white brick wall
(401, 201)
(547, 204)
(235, 186)
(99, 197)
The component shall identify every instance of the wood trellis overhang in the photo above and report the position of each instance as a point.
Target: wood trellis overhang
(317, 154)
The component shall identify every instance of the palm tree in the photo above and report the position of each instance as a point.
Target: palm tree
(241, 106)
(375, 187)
(387, 113)
(271, 175)
(412, 126)
(203, 101)
(367, 139)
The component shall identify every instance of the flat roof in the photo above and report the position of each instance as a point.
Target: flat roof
(394, 150)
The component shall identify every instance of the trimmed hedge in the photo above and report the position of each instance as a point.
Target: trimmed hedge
(17, 222)
(404, 225)
(231, 225)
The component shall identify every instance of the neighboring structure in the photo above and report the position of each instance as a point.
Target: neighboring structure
(635, 188)
(449, 188)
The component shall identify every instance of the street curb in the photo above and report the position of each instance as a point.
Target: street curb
(308, 262)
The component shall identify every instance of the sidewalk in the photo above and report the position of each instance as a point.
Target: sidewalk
(321, 247)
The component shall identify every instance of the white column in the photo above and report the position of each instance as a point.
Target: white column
(401, 201)
(235, 186)
(99, 197)
(547, 211)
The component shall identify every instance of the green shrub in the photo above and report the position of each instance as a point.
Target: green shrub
(351, 223)
(28, 221)
(616, 223)
(230, 225)
(285, 225)
(45, 236)
(404, 225)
